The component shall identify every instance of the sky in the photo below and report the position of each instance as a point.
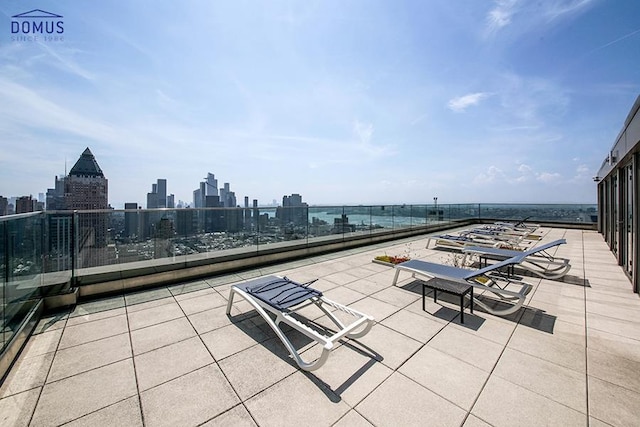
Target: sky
(344, 102)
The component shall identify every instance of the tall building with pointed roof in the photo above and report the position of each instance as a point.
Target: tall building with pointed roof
(86, 189)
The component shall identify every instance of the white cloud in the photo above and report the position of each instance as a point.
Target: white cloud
(525, 169)
(500, 16)
(363, 131)
(524, 16)
(493, 174)
(549, 177)
(461, 103)
(557, 9)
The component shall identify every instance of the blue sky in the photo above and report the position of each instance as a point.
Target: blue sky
(344, 102)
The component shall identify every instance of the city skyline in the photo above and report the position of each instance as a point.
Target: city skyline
(345, 103)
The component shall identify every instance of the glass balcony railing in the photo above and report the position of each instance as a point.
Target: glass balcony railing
(46, 251)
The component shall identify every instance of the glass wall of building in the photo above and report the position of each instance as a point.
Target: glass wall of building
(618, 196)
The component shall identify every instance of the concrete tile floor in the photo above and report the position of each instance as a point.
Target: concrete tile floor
(171, 356)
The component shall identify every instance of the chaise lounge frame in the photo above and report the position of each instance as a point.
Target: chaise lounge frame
(283, 312)
(489, 279)
(536, 260)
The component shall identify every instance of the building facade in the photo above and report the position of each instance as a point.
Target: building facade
(619, 195)
(86, 188)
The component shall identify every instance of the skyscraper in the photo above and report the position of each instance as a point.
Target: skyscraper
(86, 188)
(293, 210)
(158, 196)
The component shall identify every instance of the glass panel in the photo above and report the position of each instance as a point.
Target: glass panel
(629, 219)
(22, 272)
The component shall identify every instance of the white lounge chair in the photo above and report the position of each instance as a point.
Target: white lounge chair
(536, 260)
(282, 297)
(459, 241)
(519, 225)
(488, 279)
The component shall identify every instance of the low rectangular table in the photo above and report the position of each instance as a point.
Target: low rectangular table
(449, 287)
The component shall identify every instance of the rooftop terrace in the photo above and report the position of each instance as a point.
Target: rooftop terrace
(171, 356)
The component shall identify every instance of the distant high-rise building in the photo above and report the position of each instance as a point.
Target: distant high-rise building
(131, 219)
(4, 206)
(211, 188)
(158, 196)
(227, 197)
(86, 188)
(55, 196)
(25, 204)
(162, 193)
(197, 198)
(293, 210)
(208, 187)
(171, 201)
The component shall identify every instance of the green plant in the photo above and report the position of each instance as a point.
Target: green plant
(392, 259)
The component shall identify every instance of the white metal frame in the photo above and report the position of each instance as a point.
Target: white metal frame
(328, 342)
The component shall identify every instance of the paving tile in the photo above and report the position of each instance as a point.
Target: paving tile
(560, 384)
(160, 335)
(505, 404)
(215, 318)
(387, 405)
(90, 317)
(614, 344)
(144, 305)
(205, 300)
(396, 296)
(321, 406)
(353, 419)
(467, 347)
(392, 347)
(445, 375)
(343, 295)
(124, 413)
(553, 313)
(51, 322)
(93, 331)
(94, 354)
(351, 374)
(473, 421)
(154, 315)
(374, 307)
(99, 388)
(186, 288)
(43, 343)
(341, 278)
(612, 404)
(134, 298)
(26, 373)
(189, 400)
(97, 306)
(169, 362)
(626, 299)
(415, 326)
(548, 347)
(484, 325)
(366, 286)
(253, 370)
(614, 369)
(620, 327)
(237, 416)
(16, 410)
(228, 340)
